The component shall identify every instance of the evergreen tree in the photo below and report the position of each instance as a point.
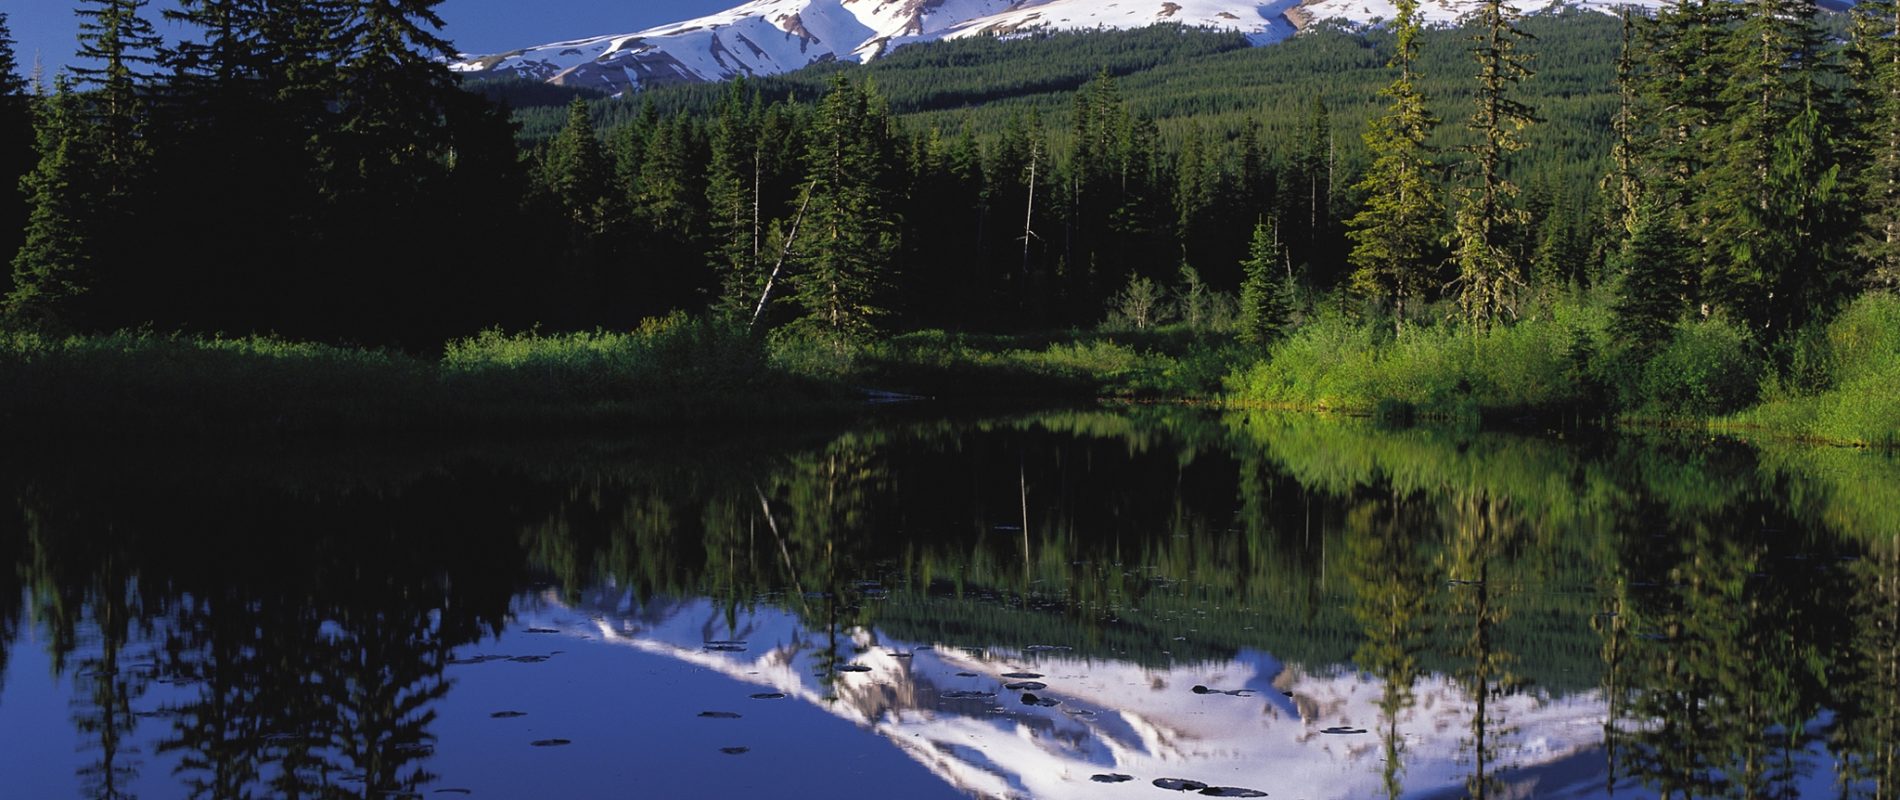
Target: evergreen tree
(392, 98)
(574, 171)
(1623, 184)
(1769, 191)
(846, 237)
(53, 269)
(1488, 274)
(1657, 280)
(668, 208)
(1395, 233)
(1876, 47)
(120, 41)
(16, 150)
(1264, 304)
(1314, 160)
(733, 197)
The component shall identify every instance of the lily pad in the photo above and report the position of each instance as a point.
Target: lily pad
(769, 696)
(725, 648)
(735, 751)
(455, 790)
(551, 742)
(1031, 686)
(1113, 777)
(476, 660)
(854, 668)
(1232, 791)
(1033, 699)
(1339, 730)
(528, 659)
(719, 714)
(1180, 784)
(507, 714)
(966, 675)
(544, 630)
(960, 694)
(1022, 675)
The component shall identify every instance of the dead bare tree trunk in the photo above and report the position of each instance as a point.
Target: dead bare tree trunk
(785, 249)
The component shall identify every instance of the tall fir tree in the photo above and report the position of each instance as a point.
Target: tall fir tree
(575, 172)
(1265, 305)
(1487, 222)
(1771, 196)
(734, 201)
(53, 271)
(1657, 279)
(846, 238)
(122, 48)
(1876, 59)
(393, 92)
(16, 151)
(1314, 162)
(1395, 235)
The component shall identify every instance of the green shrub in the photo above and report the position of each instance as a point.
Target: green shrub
(1856, 397)
(1545, 362)
(1708, 367)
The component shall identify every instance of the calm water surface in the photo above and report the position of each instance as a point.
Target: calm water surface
(1087, 604)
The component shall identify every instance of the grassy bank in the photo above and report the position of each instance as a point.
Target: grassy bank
(670, 370)
(1838, 383)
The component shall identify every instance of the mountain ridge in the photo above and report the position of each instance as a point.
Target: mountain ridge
(769, 37)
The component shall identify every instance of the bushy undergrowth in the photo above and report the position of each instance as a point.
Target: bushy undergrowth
(671, 369)
(1843, 384)
(1707, 367)
(1335, 363)
(1172, 362)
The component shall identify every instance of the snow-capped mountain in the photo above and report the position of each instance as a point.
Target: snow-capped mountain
(1264, 725)
(767, 37)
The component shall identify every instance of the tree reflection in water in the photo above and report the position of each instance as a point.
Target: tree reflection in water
(1733, 612)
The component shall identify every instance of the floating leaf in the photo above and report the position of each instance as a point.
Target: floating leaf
(1115, 777)
(529, 659)
(507, 714)
(1180, 784)
(551, 743)
(735, 751)
(854, 668)
(725, 648)
(1032, 686)
(719, 715)
(543, 630)
(1343, 730)
(966, 695)
(1031, 699)
(1023, 675)
(769, 696)
(1232, 791)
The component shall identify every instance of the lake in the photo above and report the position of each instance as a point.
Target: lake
(1134, 603)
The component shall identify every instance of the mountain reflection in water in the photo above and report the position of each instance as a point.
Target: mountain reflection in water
(1298, 606)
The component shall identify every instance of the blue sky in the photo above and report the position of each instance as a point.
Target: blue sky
(47, 27)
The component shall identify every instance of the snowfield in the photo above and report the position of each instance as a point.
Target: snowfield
(768, 37)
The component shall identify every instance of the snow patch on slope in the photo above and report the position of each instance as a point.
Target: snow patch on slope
(768, 37)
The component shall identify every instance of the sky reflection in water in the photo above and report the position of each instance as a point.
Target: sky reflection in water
(1303, 607)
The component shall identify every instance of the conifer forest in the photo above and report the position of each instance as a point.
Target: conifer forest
(1695, 212)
